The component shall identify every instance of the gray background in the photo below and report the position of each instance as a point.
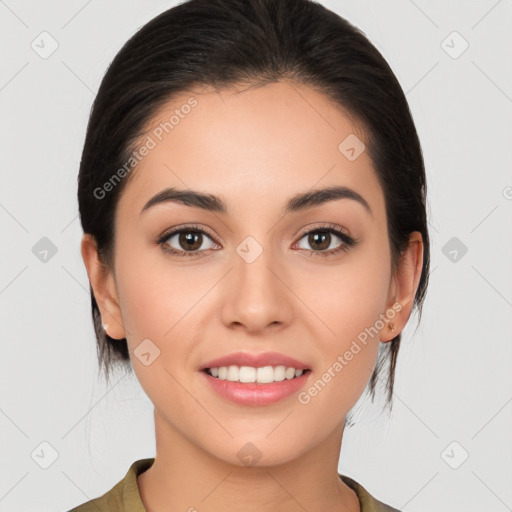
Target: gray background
(453, 395)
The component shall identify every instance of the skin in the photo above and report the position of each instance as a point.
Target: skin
(255, 148)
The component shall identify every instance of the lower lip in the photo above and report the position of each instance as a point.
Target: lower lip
(256, 394)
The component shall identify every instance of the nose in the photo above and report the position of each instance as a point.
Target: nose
(256, 295)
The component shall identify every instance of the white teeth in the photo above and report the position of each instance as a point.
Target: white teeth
(289, 373)
(265, 374)
(246, 374)
(262, 375)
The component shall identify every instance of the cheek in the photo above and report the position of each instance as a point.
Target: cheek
(349, 302)
(154, 293)
(161, 301)
(143, 303)
(349, 297)
(157, 305)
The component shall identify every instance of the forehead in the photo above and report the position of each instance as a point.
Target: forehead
(253, 142)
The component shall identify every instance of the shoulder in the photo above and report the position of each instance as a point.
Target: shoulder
(108, 503)
(123, 496)
(368, 502)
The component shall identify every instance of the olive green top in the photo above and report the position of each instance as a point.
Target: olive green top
(125, 496)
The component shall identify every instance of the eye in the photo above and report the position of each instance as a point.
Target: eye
(321, 240)
(188, 239)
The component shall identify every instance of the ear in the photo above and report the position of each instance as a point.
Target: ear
(104, 288)
(403, 287)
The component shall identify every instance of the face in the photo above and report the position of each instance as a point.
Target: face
(309, 282)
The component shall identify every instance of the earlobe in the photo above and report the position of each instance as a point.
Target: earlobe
(405, 281)
(103, 285)
(390, 331)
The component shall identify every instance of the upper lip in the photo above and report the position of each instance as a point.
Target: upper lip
(255, 360)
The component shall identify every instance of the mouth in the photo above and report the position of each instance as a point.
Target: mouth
(255, 386)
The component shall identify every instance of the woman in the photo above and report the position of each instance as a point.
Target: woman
(252, 194)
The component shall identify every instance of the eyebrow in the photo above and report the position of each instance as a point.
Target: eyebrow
(296, 203)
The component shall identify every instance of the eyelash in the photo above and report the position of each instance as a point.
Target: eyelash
(347, 240)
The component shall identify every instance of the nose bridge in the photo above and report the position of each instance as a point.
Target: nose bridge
(256, 296)
(252, 264)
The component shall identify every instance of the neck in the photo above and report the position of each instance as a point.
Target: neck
(186, 477)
